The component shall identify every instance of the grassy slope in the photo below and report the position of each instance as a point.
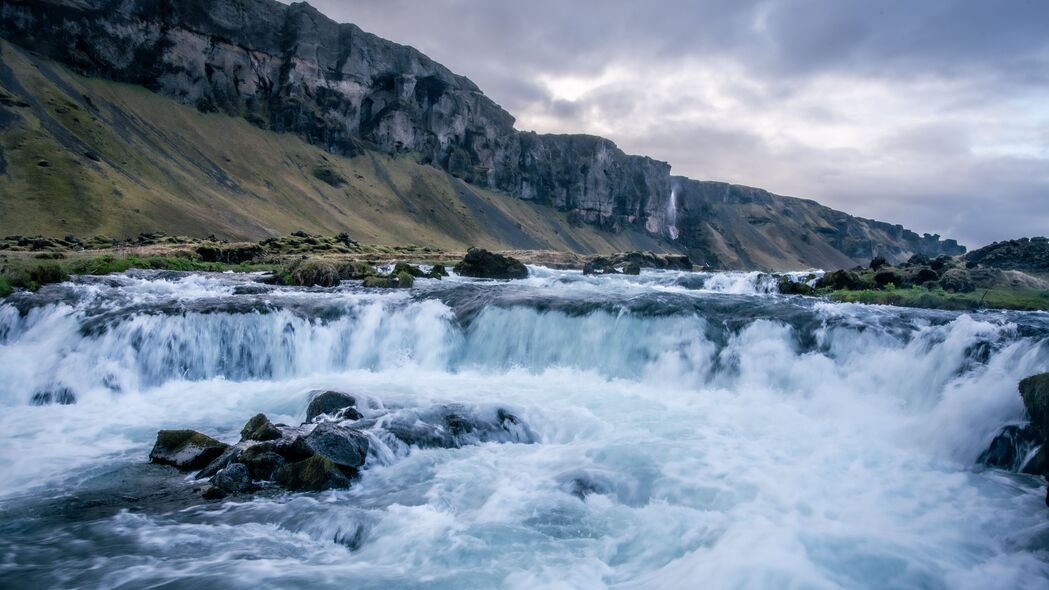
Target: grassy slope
(1003, 298)
(157, 165)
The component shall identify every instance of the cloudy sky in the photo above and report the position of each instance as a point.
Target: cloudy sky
(933, 113)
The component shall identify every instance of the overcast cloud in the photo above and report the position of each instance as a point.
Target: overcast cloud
(933, 114)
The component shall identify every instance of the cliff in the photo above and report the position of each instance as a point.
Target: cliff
(291, 70)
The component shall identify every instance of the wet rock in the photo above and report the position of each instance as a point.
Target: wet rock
(842, 280)
(262, 462)
(437, 272)
(259, 428)
(330, 402)
(185, 449)
(454, 426)
(345, 447)
(582, 483)
(313, 475)
(382, 282)
(1035, 393)
(788, 286)
(233, 479)
(412, 270)
(599, 266)
(1009, 448)
(58, 395)
(632, 268)
(488, 265)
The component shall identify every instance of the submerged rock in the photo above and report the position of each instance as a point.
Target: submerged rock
(58, 395)
(488, 265)
(185, 449)
(454, 426)
(1009, 448)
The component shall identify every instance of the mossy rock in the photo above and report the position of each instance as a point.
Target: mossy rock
(355, 271)
(404, 267)
(313, 272)
(405, 280)
(259, 428)
(1035, 392)
(312, 475)
(437, 272)
(185, 449)
(381, 282)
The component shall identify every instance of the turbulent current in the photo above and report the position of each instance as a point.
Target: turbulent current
(690, 430)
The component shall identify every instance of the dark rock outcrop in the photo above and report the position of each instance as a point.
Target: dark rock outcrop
(1011, 447)
(185, 449)
(1025, 254)
(329, 451)
(489, 265)
(1035, 393)
(333, 403)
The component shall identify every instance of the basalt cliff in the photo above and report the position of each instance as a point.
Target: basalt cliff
(379, 119)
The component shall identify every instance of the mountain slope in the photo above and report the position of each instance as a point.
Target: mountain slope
(287, 70)
(89, 156)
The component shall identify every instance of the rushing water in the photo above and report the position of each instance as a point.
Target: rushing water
(733, 438)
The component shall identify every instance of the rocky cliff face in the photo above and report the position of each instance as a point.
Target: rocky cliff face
(288, 68)
(732, 226)
(291, 69)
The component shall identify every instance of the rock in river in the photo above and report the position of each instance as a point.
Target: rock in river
(185, 449)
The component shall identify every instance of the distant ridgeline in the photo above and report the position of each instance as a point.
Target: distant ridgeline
(289, 69)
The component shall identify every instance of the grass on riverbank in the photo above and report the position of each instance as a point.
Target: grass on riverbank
(1015, 299)
(33, 273)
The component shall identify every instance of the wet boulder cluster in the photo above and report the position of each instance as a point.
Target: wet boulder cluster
(631, 263)
(330, 448)
(1024, 448)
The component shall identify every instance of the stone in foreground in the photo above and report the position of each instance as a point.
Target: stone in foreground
(185, 449)
(488, 265)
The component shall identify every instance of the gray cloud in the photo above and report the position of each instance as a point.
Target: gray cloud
(932, 114)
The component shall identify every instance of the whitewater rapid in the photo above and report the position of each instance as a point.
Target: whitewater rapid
(737, 438)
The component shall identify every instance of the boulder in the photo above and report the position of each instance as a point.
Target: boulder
(233, 479)
(345, 447)
(414, 271)
(632, 268)
(330, 402)
(185, 449)
(1009, 448)
(313, 272)
(886, 278)
(1035, 393)
(599, 266)
(259, 428)
(262, 461)
(488, 265)
(788, 286)
(381, 282)
(311, 475)
(355, 271)
(437, 272)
